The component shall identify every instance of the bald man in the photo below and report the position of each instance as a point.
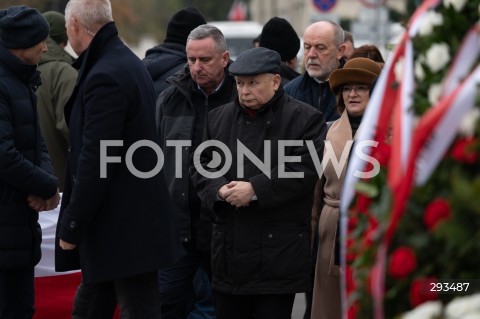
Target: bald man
(323, 53)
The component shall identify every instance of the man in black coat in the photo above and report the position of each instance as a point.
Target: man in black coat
(181, 117)
(261, 204)
(164, 60)
(27, 183)
(115, 221)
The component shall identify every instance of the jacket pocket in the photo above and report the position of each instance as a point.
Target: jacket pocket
(285, 252)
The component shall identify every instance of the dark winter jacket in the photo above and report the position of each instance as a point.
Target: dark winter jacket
(163, 61)
(287, 73)
(24, 164)
(263, 248)
(121, 222)
(181, 115)
(319, 95)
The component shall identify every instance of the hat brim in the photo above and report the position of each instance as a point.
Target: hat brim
(340, 77)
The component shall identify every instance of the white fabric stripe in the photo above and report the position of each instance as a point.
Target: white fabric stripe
(464, 60)
(446, 130)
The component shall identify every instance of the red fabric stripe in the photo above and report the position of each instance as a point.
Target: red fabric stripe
(54, 296)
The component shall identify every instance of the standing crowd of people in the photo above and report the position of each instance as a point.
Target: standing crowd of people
(234, 231)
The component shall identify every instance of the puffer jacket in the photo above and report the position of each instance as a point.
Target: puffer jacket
(24, 164)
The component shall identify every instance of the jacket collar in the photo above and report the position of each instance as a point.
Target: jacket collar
(184, 83)
(340, 129)
(287, 72)
(55, 53)
(307, 79)
(271, 105)
(27, 73)
(95, 50)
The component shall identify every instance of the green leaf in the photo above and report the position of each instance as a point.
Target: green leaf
(367, 189)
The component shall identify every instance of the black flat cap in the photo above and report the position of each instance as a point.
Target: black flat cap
(256, 61)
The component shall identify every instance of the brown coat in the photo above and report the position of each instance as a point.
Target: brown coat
(326, 302)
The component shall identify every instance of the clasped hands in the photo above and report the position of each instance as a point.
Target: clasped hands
(237, 193)
(39, 204)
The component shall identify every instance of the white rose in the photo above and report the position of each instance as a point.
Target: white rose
(419, 72)
(430, 20)
(467, 126)
(398, 70)
(434, 93)
(437, 56)
(457, 4)
(427, 310)
(460, 307)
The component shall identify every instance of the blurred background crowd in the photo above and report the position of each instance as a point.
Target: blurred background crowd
(143, 24)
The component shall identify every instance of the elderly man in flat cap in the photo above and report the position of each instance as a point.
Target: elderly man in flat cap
(27, 184)
(261, 191)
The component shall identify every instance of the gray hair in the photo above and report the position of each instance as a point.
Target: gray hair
(348, 37)
(91, 14)
(338, 33)
(209, 31)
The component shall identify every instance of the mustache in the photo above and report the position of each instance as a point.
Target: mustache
(312, 61)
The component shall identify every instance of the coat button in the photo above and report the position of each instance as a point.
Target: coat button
(74, 178)
(268, 122)
(270, 235)
(73, 225)
(69, 148)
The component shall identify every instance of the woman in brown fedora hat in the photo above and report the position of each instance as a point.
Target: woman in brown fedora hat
(352, 86)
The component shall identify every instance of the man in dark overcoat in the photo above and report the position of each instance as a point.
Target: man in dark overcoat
(115, 222)
(262, 201)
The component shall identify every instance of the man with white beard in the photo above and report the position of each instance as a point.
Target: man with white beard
(323, 53)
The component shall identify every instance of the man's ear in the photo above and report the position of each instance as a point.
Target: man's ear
(340, 51)
(75, 26)
(277, 80)
(225, 58)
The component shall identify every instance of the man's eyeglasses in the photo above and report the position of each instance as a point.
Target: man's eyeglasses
(360, 89)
